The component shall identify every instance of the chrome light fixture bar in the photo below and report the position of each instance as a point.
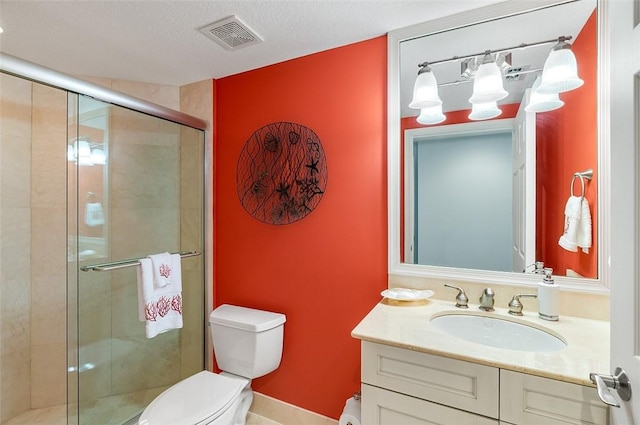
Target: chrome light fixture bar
(519, 46)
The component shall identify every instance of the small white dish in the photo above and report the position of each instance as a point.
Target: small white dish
(405, 294)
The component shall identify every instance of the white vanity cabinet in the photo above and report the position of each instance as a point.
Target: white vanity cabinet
(532, 400)
(402, 387)
(405, 387)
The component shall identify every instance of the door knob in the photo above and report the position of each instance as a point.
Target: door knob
(619, 382)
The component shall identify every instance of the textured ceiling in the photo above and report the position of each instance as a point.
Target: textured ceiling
(160, 42)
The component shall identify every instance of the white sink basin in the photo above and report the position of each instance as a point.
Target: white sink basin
(497, 332)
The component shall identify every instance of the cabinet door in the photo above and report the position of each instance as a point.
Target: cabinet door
(462, 385)
(532, 400)
(382, 407)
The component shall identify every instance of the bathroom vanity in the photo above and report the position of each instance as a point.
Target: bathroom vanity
(414, 373)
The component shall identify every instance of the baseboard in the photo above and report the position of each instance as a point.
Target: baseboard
(283, 413)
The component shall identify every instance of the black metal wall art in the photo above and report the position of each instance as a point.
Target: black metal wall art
(282, 173)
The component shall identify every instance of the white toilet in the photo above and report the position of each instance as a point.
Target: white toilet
(247, 344)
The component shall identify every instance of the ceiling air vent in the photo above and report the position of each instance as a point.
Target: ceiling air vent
(231, 33)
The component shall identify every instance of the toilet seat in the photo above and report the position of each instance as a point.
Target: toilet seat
(199, 399)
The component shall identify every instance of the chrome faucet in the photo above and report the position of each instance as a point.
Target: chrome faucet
(461, 299)
(487, 300)
(515, 306)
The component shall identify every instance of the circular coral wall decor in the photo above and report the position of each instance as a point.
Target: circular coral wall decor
(282, 173)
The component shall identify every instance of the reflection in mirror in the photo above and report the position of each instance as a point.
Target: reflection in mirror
(87, 157)
(492, 179)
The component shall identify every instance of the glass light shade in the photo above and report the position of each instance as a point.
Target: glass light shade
(560, 72)
(432, 115)
(425, 91)
(484, 111)
(487, 86)
(540, 102)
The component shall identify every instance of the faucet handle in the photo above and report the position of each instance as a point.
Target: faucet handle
(462, 301)
(487, 300)
(515, 306)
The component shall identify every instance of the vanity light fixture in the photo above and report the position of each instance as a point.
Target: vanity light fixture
(560, 72)
(540, 102)
(431, 115)
(425, 89)
(487, 84)
(559, 75)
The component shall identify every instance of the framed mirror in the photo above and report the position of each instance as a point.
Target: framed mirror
(484, 198)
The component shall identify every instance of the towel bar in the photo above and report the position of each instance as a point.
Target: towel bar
(132, 262)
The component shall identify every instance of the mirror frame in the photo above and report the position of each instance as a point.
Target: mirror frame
(394, 153)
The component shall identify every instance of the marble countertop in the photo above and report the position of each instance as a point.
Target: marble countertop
(409, 327)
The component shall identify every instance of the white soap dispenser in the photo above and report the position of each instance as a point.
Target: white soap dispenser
(548, 301)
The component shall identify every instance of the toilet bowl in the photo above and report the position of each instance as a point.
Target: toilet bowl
(247, 344)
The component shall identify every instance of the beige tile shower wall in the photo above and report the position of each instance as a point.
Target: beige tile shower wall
(168, 96)
(48, 245)
(15, 251)
(191, 215)
(197, 100)
(144, 201)
(141, 221)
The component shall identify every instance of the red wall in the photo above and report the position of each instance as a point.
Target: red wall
(575, 125)
(326, 271)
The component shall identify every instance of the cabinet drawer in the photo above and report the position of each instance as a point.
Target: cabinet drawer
(455, 383)
(382, 407)
(532, 400)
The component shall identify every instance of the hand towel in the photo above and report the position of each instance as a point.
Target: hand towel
(572, 212)
(93, 214)
(162, 272)
(584, 229)
(159, 308)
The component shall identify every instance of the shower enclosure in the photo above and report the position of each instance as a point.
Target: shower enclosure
(87, 188)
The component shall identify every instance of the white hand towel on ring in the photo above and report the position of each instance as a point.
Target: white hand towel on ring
(584, 229)
(572, 213)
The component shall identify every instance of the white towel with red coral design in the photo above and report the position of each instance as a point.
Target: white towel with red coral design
(160, 307)
(162, 269)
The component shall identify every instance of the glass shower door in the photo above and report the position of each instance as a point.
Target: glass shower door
(136, 188)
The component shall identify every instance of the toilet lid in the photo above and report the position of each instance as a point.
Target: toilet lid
(203, 396)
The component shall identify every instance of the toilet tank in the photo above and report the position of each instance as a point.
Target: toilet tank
(246, 342)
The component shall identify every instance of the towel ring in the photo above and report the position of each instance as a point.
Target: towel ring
(584, 175)
(581, 183)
